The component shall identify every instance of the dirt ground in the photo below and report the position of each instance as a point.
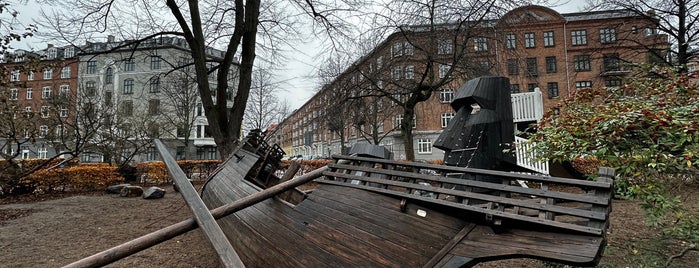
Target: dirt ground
(52, 233)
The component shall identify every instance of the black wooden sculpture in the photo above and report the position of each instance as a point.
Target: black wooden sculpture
(482, 129)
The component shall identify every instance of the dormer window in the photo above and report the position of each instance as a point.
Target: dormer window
(69, 52)
(51, 53)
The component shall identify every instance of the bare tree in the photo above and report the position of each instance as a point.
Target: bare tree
(233, 26)
(436, 35)
(678, 19)
(263, 108)
(182, 96)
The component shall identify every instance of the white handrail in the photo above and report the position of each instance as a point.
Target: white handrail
(526, 157)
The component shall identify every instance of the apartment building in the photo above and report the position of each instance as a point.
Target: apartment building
(115, 97)
(38, 89)
(145, 91)
(540, 50)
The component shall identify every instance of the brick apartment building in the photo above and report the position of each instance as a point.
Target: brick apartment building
(537, 48)
(39, 86)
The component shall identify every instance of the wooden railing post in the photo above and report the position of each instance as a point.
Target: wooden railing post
(606, 175)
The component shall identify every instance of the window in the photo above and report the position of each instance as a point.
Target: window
(154, 86)
(514, 88)
(407, 48)
(553, 90)
(44, 111)
(42, 152)
(424, 146)
(397, 49)
(63, 90)
(109, 76)
(612, 82)
(127, 108)
(63, 111)
(611, 62)
(91, 67)
(529, 41)
(446, 95)
(152, 154)
(28, 109)
(650, 31)
(397, 73)
(579, 37)
(607, 36)
(69, 52)
(43, 130)
(379, 62)
(444, 46)
(46, 93)
(445, 119)
(90, 89)
(129, 65)
(531, 67)
(65, 72)
(532, 87)
(655, 56)
(510, 41)
(108, 98)
(154, 62)
(583, 84)
(211, 152)
(51, 53)
(48, 73)
(153, 106)
(480, 44)
(200, 109)
(551, 64)
(443, 70)
(14, 93)
(512, 67)
(30, 93)
(30, 75)
(548, 39)
(14, 76)
(409, 72)
(581, 63)
(128, 86)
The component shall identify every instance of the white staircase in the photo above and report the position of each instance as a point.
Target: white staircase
(527, 159)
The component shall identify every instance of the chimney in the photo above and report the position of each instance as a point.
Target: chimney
(110, 38)
(49, 45)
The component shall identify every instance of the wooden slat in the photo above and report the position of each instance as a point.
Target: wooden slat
(213, 232)
(450, 245)
(481, 184)
(451, 169)
(563, 225)
(484, 197)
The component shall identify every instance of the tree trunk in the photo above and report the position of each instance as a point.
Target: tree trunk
(407, 131)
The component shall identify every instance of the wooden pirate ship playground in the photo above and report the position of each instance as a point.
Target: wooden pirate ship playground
(369, 211)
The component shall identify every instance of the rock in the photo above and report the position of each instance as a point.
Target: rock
(115, 189)
(131, 191)
(153, 193)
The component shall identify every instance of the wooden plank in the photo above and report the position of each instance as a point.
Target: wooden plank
(450, 245)
(484, 197)
(452, 169)
(562, 225)
(227, 254)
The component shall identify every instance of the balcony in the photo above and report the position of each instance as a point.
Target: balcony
(528, 106)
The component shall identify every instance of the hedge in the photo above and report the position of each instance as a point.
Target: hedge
(74, 178)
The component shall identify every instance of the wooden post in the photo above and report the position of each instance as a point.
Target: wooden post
(124, 250)
(213, 232)
(606, 174)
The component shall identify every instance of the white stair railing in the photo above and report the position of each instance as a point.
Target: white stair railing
(528, 106)
(526, 157)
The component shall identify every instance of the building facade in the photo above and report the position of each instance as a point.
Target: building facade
(36, 100)
(111, 99)
(537, 48)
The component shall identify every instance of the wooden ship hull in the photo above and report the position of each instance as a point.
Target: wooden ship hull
(372, 212)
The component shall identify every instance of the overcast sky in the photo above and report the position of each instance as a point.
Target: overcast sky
(295, 77)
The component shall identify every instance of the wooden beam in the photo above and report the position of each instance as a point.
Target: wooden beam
(450, 245)
(131, 247)
(213, 232)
